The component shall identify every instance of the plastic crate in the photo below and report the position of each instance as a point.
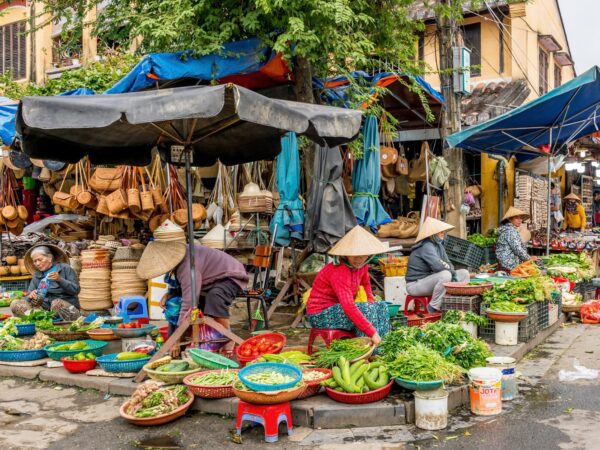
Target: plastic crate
(528, 327)
(462, 303)
(399, 320)
(543, 314)
(489, 255)
(417, 320)
(15, 283)
(586, 289)
(463, 252)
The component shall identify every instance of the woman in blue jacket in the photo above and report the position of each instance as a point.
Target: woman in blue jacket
(429, 266)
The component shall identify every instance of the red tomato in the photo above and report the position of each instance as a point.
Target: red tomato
(245, 351)
(262, 348)
(254, 353)
(276, 346)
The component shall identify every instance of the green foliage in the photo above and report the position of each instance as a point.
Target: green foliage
(98, 76)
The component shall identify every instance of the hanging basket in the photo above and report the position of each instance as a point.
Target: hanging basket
(116, 201)
(133, 200)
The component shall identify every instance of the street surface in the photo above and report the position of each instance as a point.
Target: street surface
(547, 415)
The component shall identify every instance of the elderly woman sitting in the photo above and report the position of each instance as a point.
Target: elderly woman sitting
(54, 285)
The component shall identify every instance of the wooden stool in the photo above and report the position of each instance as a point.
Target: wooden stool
(269, 416)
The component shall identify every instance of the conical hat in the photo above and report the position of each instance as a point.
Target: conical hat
(572, 196)
(358, 242)
(432, 226)
(164, 253)
(515, 212)
(59, 256)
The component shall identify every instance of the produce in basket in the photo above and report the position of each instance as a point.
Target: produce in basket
(128, 356)
(526, 269)
(216, 378)
(455, 317)
(38, 341)
(347, 348)
(269, 377)
(76, 326)
(260, 346)
(505, 307)
(80, 345)
(294, 357)
(420, 363)
(181, 366)
(150, 400)
(81, 357)
(359, 377)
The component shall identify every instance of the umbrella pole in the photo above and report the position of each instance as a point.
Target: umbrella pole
(190, 227)
(549, 220)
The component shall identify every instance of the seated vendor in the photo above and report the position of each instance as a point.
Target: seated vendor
(219, 277)
(574, 214)
(54, 285)
(429, 266)
(510, 249)
(331, 303)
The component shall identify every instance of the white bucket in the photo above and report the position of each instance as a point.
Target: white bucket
(395, 290)
(507, 366)
(485, 391)
(470, 328)
(431, 409)
(507, 333)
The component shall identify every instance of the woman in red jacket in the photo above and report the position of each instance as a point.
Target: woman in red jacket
(331, 302)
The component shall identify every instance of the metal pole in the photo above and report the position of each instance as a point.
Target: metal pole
(190, 226)
(168, 185)
(549, 221)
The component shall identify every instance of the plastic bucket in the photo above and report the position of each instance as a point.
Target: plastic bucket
(507, 333)
(507, 366)
(485, 391)
(431, 409)
(470, 328)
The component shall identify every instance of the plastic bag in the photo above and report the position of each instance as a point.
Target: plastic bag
(580, 373)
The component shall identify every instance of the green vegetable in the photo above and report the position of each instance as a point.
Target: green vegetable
(420, 363)
(481, 240)
(456, 317)
(221, 378)
(269, 377)
(503, 306)
(80, 345)
(128, 356)
(174, 367)
(337, 376)
(347, 348)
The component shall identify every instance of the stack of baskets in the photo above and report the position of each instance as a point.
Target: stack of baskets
(95, 280)
(124, 277)
(253, 200)
(394, 266)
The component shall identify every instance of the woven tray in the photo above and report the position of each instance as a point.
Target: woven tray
(209, 391)
(66, 335)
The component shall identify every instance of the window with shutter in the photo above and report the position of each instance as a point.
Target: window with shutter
(13, 48)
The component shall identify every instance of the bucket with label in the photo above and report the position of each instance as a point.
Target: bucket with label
(507, 333)
(507, 366)
(431, 409)
(485, 391)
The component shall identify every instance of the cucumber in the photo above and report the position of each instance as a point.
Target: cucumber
(358, 375)
(354, 367)
(337, 376)
(370, 379)
(346, 371)
(360, 383)
(128, 356)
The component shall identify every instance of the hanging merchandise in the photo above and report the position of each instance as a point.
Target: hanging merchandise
(176, 191)
(107, 179)
(366, 180)
(221, 204)
(402, 163)
(13, 214)
(439, 172)
(388, 155)
(417, 168)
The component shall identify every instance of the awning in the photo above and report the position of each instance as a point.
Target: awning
(562, 115)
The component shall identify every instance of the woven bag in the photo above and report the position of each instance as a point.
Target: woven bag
(107, 179)
(116, 201)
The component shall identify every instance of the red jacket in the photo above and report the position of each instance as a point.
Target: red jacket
(339, 284)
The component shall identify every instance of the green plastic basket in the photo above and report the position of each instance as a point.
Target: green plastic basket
(419, 385)
(95, 347)
(212, 360)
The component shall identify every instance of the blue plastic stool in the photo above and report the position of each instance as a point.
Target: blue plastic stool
(140, 311)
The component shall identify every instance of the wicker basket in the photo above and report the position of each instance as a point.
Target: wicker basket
(103, 334)
(66, 335)
(172, 377)
(22, 355)
(571, 308)
(110, 363)
(462, 288)
(208, 391)
(359, 399)
(261, 398)
(158, 420)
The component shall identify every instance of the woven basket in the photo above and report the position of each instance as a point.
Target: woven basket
(571, 308)
(462, 288)
(259, 398)
(63, 336)
(309, 391)
(172, 377)
(157, 420)
(22, 355)
(110, 363)
(208, 391)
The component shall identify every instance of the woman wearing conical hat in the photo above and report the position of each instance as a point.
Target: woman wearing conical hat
(574, 214)
(510, 247)
(331, 303)
(429, 266)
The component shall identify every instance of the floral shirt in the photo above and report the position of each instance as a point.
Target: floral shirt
(510, 250)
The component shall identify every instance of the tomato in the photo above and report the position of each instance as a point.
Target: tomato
(245, 351)
(254, 353)
(276, 346)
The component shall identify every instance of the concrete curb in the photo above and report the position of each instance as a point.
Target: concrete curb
(315, 412)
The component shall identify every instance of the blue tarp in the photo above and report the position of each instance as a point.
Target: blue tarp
(562, 115)
(366, 180)
(237, 58)
(8, 111)
(289, 215)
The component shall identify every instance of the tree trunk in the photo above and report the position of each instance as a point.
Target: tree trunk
(304, 93)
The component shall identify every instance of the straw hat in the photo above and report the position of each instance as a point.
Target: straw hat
(54, 166)
(515, 212)
(358, 242)
(572, 196)
(432, 226)
(164, 253)
(387, 155)
(59, 256)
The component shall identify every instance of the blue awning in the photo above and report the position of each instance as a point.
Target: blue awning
(562, 115)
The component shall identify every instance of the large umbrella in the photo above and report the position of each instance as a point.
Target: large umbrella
(366, 180)
(329, 214)
(191, 125)
(289, 216)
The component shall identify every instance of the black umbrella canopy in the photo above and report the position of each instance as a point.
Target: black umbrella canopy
(225, 122)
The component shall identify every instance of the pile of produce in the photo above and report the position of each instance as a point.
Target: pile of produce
(270, 377)
(571, 299)
(76, 326)
(526, 269)
(457, 317)
(505, 306)
(80, 345)
(8, 296)
(38, 341)
(448, 340)
(312, 375)
(359, 377)
(524, 291)
(347, 348)
(39, 317)
(220, 378)
(175, 366)
(259, 347)
(130, 325)
(128, 356)
(420, 363)
(293, 357)
(484, 241)
(81, 357)
(151, 400)
(575, 267)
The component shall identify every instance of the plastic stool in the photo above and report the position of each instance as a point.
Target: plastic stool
(269, 416)
(421, 303)
(328, 335)
(140, 312)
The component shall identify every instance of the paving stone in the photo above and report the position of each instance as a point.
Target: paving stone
(122, 386)
(19, 407)
(221, 406)
(49, 423)
(28, 439)
(105, 411)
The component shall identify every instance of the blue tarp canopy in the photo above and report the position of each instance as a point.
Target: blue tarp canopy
(562, 115)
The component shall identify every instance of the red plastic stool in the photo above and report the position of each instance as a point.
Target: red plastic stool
(269, 416)
(328, 335)
(421, 304)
